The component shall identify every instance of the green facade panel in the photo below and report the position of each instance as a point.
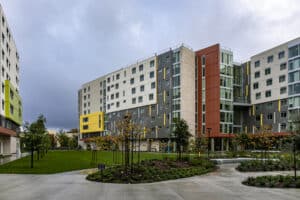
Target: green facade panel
(13, 103)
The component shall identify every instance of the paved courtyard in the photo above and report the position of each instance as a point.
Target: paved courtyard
(220, 185)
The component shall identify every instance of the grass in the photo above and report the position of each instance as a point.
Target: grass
(62, 161)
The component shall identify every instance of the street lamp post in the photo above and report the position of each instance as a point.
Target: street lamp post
(208, 144)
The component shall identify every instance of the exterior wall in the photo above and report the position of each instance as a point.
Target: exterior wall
(294, 82)
(11, 104)
(188, 81)
(172, 70)
(212, 87)
(119, 82)
(241, 98)
(276, 72)
(271, 115)
(93, 122)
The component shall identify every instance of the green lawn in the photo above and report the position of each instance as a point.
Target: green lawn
(62, 161)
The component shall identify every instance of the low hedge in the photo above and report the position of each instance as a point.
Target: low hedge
(278, 181)
(153, 171)
(267, 165)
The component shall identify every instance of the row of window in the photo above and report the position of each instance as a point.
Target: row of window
(133, 71)
(268, 93)
(270, 116)
(133, 101)
(270, 58)
(269, 82)
(269, 105)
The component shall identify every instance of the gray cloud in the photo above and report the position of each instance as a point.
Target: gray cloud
(64, 43)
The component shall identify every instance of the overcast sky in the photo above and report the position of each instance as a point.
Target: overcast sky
(65, 43)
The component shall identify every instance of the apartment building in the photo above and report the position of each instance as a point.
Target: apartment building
(152, 90)
(215, 95)
(11, 103)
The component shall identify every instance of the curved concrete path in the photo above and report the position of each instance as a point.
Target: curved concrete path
(220, 185)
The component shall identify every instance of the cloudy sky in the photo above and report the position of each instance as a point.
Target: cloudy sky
(64, 43)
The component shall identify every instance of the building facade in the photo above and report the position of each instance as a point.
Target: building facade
(215, 95)
(11, 103)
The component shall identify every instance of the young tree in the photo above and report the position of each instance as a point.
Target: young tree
(34, 136)
(182, 136)
(242, 140)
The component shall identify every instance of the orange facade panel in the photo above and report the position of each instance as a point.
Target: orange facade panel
(212, 87)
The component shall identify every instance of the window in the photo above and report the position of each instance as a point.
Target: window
(152, 63)
(282, 66)
(132, 81)
(176, 69)
(117, 86)
(151, 96)
(283, 114)
(270, 116)
(294, 89)
(85, 119)
(281, 78)
(283, 102)
(255, 85)
(293, 51)
(117, 95)
(117, 76)
(132, 90)
(270, 59)
(142, 77)
(257, 63)
(282, 90)
(118, 104)
(108, 80)
(176, 57)
(112, 96)
(142, 88)
(267, 71)
(257, 74)
(176, 81)
(152, 74)
(294, 76)
(281, 55)
(283, 126)
(85, 127)
(140, 99)
(258, 95)
(268, 93)
(11, 94)
(269, 81)
(133, 70)
(133, 100)
(141, 67)
(152, 85)
(257, 118)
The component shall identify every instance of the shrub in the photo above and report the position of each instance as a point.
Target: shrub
(154, 170)
(278, 181)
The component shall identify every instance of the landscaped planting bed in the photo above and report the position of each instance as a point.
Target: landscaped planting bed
(154, 170)
(273, 181)
(266, 165)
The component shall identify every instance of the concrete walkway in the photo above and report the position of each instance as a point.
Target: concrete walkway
(220, 185)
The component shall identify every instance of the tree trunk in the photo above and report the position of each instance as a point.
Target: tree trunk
(31, 163)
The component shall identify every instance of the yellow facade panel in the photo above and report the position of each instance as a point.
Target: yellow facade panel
(93, 122)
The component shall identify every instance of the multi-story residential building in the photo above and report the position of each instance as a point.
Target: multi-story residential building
(216, 96)
(11, 104)
(152, 90)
